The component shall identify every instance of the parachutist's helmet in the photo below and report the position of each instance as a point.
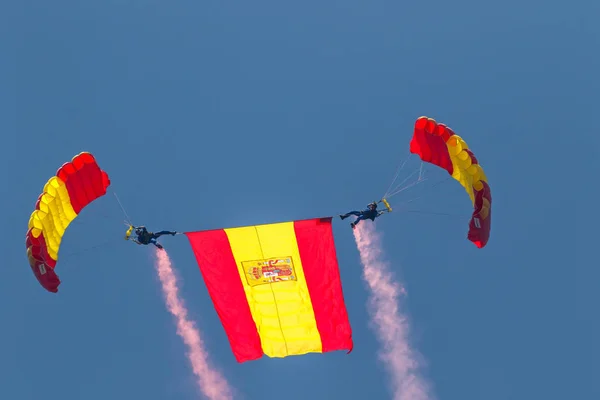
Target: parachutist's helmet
(372, 205)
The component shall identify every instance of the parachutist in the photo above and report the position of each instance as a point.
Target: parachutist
(369, 213)
(145, 237)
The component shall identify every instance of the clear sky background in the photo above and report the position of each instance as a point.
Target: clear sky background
(211, 114)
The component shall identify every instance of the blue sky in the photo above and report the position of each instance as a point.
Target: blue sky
(211, 114)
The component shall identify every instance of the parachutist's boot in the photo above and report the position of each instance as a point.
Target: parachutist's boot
(353, 225)
(342, 217)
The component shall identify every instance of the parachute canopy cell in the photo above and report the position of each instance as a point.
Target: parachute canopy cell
(276, 287)
(76, 184)
(439, 145)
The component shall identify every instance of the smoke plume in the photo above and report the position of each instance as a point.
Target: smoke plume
(211, 383)
(392, 327)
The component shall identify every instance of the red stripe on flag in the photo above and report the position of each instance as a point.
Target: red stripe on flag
(219, 270)
(320, 266)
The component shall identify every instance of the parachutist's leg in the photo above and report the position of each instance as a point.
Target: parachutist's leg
(357, 220)
(158, 234)
(344, 216)
(154, 242)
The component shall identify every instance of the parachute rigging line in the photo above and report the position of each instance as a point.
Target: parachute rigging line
(123, 208)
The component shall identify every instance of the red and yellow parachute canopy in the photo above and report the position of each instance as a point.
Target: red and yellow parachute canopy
(75, 185)
(439, 145)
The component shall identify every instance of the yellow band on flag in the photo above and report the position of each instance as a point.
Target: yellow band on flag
(282, 311)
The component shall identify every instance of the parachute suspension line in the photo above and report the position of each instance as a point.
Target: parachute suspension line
(85, 250)
(79, 222)
(406, 158)
(128, 220)
(437, 213)
(410, 201)
(406, 187)
(399, 186)
(425, 195)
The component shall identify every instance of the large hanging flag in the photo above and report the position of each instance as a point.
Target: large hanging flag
(276, 287)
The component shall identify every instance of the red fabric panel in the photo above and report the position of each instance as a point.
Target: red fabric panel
(320, 265)
(429, 142)
(479, 227)
(219, 270)
(39, 255)
(84, 180)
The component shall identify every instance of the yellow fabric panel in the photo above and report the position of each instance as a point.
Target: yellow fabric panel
(485, 208)
(54, 215)
(282, 311)
(468, 174)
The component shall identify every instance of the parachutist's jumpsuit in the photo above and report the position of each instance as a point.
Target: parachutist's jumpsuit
(365, 214)
(145, 237)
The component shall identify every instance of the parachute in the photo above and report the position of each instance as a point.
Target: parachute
(439, 145)
(76, 184)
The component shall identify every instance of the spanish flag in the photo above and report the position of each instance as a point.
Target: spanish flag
(276, 287)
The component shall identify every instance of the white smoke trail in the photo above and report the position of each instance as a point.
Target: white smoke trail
(210, 381)
(391, 325)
